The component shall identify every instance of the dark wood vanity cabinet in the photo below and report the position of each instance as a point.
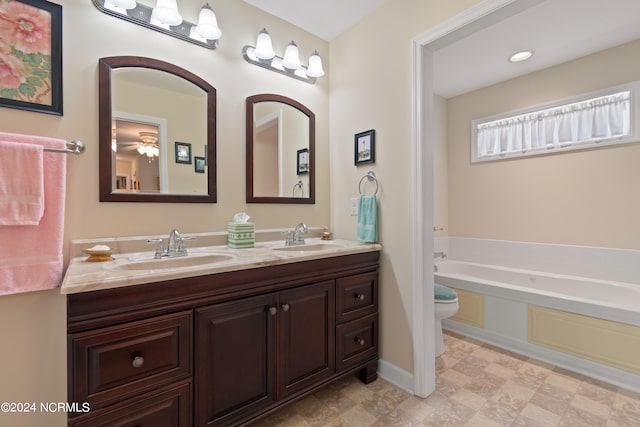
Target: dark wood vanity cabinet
(273, 346)
(223, 349)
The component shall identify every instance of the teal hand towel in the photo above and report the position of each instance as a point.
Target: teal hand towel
(368, 219)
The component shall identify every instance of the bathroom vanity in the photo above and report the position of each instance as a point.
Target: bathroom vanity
(218, 344)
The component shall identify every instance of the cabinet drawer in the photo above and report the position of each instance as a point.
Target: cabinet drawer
(356, 341)
(113, 363)
(356, 296)
(169, 407)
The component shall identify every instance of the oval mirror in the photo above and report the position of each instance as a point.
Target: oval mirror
(280, 150)
(157, 132)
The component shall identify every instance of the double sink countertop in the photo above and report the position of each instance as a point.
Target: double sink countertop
(133, 260)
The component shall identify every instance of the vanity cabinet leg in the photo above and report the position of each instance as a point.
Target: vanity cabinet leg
(369, 373)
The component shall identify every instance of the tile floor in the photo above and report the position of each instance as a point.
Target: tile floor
(478, 385)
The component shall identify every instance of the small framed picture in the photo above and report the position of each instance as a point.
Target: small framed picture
(364, 147)
(199, 163)
(183, 152)
(303, 161)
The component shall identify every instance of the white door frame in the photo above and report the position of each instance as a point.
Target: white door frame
(424, 376)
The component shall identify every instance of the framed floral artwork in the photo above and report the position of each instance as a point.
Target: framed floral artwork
(31, 55)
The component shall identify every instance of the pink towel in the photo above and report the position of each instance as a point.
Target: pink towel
(21, 183)
(31, 255)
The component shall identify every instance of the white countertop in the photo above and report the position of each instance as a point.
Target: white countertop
(130, 267)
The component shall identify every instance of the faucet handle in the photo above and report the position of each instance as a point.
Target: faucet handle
(181, 245)
(159, 247)
(288, 237)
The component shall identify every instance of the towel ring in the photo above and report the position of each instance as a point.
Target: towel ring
(299, 185)
(371, 177)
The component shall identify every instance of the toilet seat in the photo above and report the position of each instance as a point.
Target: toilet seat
(444, 294)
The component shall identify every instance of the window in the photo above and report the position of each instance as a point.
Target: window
(602, 118)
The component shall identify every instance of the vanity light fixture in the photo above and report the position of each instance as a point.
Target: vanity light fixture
(520, 56)
(264, 56)
(166, 19)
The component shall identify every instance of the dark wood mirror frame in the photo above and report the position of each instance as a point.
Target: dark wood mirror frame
(251, 101)
(105, 66)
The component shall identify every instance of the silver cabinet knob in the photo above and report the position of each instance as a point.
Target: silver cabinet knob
(137, 361)
(273, 310)
(359, 297)
(285, 307)
(360, 341)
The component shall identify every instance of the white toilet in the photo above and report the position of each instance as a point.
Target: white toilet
(446, 305)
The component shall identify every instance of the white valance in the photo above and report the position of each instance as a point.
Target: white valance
(588, 121)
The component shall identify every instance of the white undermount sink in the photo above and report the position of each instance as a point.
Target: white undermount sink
(313, 247)
(170, 263)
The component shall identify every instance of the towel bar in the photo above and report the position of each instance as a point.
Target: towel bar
(73, 147)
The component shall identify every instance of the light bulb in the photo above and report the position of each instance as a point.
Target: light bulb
(166, 12)
(208, 24)
(291, 60)
(315, 65)
(264, 47)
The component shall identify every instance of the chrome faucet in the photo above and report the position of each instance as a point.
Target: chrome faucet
(296, 237)
(175, 246)
(439, 255)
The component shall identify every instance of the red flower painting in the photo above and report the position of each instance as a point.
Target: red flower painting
(25, 52)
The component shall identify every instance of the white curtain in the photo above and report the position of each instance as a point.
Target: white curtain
(582, 122)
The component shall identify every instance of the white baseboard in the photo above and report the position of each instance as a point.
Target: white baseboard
(395, 375)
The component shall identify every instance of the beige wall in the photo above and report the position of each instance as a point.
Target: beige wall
(33, 359)
(371, 74)
(587, 197)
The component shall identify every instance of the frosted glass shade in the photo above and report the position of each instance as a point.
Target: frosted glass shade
(315, 65)
(208, 24)
(264, 47)
(120, 6)
(125, 4)
(166, 12)
(194, 34)
(291, 60)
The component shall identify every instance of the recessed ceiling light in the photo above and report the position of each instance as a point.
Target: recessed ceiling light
(523, 55)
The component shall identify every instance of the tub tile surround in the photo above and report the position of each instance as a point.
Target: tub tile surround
(620, 265)
(83, 276)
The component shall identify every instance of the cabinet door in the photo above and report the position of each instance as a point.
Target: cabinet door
(234, 360)
(306, 323)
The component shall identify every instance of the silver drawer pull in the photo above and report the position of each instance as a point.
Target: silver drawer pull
(273, 310)
(285, 307)
(359, 296)
(137, 361)
(360, 341)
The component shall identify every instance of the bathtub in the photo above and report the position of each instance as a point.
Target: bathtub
(509, 297)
